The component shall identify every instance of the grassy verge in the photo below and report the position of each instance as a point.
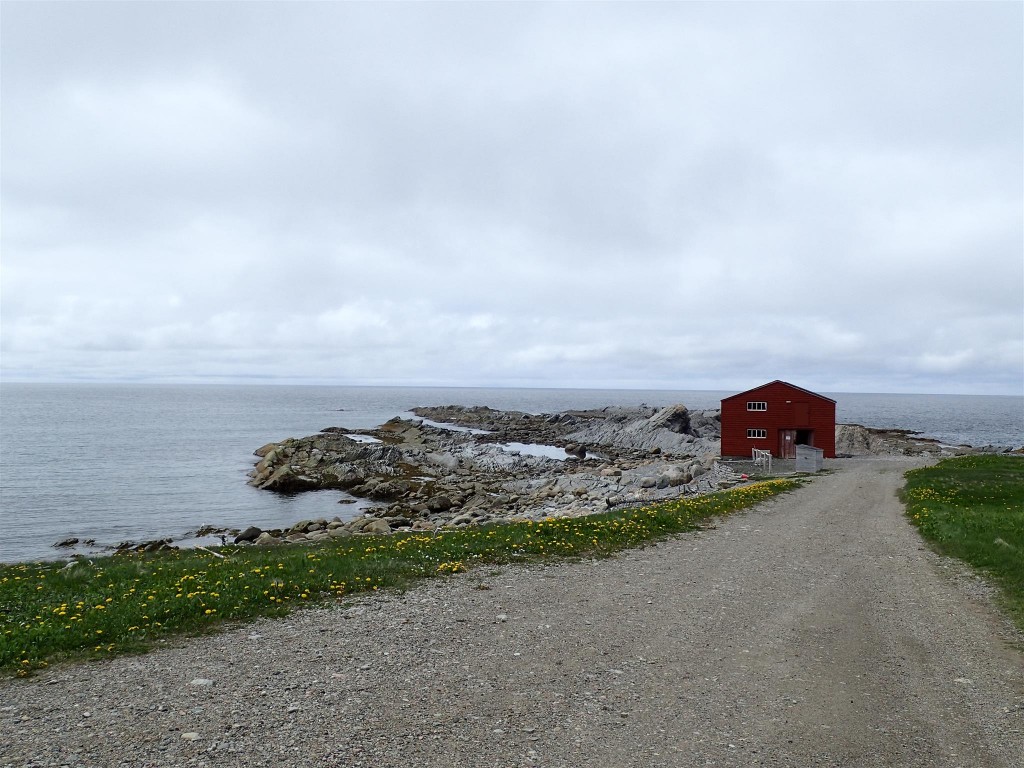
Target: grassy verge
(125, 603)
(972, 507)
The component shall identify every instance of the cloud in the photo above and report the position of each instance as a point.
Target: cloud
(677, 195)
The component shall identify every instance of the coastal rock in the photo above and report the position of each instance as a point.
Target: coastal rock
(249, 534)
(668, 430)
(857, 440)
(376, 526)
(455, 467)
(675, 418)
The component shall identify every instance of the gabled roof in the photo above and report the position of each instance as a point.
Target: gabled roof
(785, 384)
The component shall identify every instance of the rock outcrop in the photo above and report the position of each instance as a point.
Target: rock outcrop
(856, 440)
(461, 466)
(673, 430)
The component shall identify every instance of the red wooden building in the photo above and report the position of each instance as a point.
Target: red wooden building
(778, 417)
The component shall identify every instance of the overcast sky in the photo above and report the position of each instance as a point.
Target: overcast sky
(685, 196)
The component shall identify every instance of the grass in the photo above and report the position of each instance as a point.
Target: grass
(126, 603)
(972, 507)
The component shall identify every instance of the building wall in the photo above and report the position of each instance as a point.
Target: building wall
(782, 413)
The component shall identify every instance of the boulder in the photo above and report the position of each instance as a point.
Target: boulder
(249, 534)
(376, 526)
(440, 504)
(577, 451)
(675, 418)
(288, 479)
(674, 476)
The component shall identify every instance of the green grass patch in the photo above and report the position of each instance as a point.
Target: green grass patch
(125, 603)
(972, 507)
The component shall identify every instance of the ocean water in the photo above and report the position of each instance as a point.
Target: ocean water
(118, 462)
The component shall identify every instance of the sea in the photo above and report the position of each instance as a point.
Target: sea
(126, 462)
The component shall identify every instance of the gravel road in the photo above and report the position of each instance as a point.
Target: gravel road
(815, 630)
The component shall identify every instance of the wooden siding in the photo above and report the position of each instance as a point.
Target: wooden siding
(789, 408)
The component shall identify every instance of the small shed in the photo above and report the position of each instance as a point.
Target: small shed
(777, 417)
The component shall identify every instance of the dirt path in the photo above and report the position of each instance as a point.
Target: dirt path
(813, 631)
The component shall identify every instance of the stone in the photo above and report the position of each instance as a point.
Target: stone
(266, 540)
(377, 527)
(673, 477)
(648, 482)
(289, 479)
(249, 534)
(675, 418)
(440, 504)
(202, 682)
(70, 542)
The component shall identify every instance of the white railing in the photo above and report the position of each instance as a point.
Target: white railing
(762, 459)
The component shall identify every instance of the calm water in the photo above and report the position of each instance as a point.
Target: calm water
(131, 462)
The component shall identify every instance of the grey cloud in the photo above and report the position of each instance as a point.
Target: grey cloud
(657, 194)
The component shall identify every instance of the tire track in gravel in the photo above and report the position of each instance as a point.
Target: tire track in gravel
(815, 630)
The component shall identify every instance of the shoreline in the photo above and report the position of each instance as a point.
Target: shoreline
(654, 458)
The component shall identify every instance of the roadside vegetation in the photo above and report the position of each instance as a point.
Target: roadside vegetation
(972, 507)
(126, 603)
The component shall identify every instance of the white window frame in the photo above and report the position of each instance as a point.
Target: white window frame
(757, 434)
(757, 405)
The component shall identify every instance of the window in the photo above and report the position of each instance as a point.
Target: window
(757, 406)
(757, 433)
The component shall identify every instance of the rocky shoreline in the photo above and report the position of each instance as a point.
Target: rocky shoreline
(453, 466)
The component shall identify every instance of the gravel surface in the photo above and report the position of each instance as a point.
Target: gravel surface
(815, 630)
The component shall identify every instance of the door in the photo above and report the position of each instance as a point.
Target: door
(787, 443)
